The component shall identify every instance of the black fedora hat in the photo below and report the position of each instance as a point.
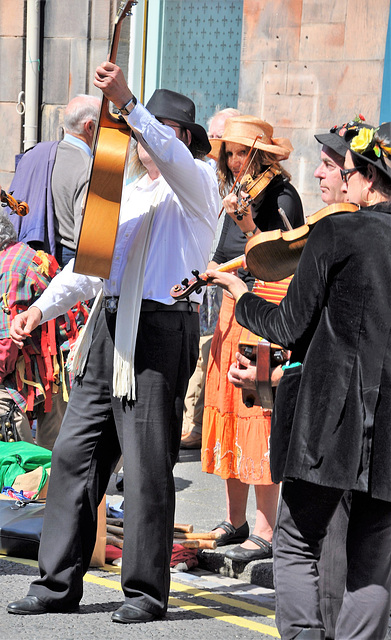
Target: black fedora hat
(338, 138)
(373, 145)
(179, 108)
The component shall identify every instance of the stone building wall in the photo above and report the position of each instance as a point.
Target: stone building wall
(305, 66)
(76, 37)
(308, 65)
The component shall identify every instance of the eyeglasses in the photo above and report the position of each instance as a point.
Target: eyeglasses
(346, 172)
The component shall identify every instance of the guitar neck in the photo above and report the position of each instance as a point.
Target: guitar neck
(106, 118)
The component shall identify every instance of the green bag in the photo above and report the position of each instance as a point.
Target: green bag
(20, 457)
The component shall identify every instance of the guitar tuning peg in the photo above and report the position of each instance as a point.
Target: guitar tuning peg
(198, 290)
(195, 273)
(185, 282)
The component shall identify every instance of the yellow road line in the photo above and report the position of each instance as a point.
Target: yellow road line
(233, 602)
(183, 604)
(201, 609)
(225, 617)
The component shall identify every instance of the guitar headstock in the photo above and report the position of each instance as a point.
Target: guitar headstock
(125, 9)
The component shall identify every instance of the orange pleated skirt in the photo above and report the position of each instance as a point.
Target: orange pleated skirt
(235, 439)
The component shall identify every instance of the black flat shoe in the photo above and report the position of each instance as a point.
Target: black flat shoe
(247, 555)
(32, 606)
(231, 534)
(128, 614)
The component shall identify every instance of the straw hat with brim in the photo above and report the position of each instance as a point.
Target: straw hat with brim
(177, 107)
(338, 138)
(374, 147)
(247, 129)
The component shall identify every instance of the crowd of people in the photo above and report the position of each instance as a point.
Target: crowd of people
(318, 459)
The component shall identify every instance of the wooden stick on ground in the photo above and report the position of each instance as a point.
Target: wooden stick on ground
(207, 544)
(117, 531)
(210, 535)
(188, 544)
(185, 528)
(196, 544)
(118, 522)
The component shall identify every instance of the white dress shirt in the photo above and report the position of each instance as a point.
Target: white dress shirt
(183, 227)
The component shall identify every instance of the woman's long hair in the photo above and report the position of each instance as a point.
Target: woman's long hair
(259, 162)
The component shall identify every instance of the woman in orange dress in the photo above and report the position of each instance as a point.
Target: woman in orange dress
(235, 439)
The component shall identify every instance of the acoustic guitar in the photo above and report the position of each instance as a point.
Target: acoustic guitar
(98, 231)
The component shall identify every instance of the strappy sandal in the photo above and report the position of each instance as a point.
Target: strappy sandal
(231, 534)
(247, 555)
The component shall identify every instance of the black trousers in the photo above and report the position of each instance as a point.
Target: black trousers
(305, 510)
(96, 428)
(332, 566)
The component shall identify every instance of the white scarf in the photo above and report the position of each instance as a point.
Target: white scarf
(128, 312)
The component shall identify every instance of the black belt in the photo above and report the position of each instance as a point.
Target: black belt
(110, 303)
(181, 305)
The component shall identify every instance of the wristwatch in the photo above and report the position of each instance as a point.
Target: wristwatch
(250, 234)
(128, 107)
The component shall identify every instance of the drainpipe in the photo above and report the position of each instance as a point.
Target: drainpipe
(32, 73)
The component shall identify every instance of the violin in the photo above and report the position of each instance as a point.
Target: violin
(270, 256)
(183, 290)
(253, 188)
(273, 255)
(17, 206)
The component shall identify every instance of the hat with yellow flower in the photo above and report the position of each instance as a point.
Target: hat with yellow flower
(374, 146)
(338, 138)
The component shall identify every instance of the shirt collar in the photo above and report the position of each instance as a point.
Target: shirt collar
(77, 142)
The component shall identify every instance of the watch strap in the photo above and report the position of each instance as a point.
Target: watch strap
(250, 234)
(127, 108)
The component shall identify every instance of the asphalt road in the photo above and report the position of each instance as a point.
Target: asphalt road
(202, 605)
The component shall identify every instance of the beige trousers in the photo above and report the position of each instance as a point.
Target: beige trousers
(194, 400)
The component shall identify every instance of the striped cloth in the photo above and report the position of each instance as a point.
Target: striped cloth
(38, 372)
(272, 291)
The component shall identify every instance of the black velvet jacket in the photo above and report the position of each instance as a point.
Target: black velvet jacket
(336, 318)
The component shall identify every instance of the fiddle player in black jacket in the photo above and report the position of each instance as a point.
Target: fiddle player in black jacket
(336, 319)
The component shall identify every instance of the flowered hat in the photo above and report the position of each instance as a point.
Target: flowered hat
(374, 146)
(249, 131)
(338, 138)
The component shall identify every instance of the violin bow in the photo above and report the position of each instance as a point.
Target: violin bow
(245, 166)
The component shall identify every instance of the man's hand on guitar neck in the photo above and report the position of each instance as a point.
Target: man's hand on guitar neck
(111, 80)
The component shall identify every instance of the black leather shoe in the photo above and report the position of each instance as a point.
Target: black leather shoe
(128, 614)
(231, 534)
(32, 606)
(247, 555)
